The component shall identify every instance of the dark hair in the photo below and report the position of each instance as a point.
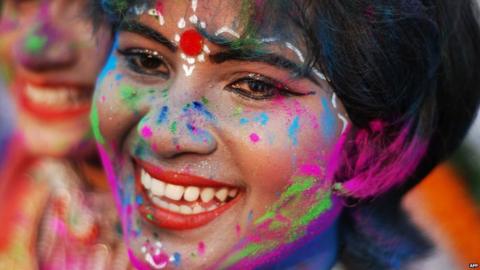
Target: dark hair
(407, 72)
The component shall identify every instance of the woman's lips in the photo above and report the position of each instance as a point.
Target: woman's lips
(54, 102)
(179, 201)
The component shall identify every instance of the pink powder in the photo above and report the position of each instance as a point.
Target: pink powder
(311, 169)
(201, 248)
(146, 132)
(254, 138)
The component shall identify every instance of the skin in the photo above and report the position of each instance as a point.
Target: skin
(48, 44)
(263, 158)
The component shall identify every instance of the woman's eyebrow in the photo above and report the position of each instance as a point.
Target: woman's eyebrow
(231, 52)
(148, 32)
(253, 52)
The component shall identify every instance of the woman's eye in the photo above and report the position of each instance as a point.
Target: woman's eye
(146, 62)
(258, 88)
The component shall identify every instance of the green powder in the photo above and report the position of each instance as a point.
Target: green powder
(173, 127)
(34, 44)
(95, 123)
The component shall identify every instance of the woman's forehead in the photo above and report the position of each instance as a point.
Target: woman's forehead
(229, 18)
(230, 23)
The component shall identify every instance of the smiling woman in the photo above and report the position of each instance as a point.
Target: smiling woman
(234, 134)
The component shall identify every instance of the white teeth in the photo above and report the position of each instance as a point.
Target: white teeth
(158, 202)
(233, 192)
(173, 207)
(157, 188)
(191, 194)
(211, 208)
(174, 192)
(222, 194)
(146, 180)
(197, 209)
(185, 210)
(59, 97)
(207, 194)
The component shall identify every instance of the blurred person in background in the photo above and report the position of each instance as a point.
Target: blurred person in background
(56, 211)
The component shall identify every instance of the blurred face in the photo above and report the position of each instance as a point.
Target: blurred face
(216, 155)
(51, 59)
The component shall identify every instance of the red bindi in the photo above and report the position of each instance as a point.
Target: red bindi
(191, 42)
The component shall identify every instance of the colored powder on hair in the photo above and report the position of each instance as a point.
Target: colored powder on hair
(95, 123)
(293, 130)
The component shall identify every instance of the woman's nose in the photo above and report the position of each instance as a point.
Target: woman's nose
(45, 48)
(174, 132)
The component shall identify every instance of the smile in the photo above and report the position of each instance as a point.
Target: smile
(180, 201)
(55, 102)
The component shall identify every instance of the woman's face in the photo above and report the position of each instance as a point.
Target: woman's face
(51, 59)
(207, 145)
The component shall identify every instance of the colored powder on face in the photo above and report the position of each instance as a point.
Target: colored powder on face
(146, 132)
(164, 93)
(201, 248)
(250, 216)
(149, 217)
(238, 230)
(238, 111)
(249, 250)
(139, 200)
(293, 130)
(161, 259)
(205, 101)
(328, 120)
(324, 203)
(35, 43)
(173, 127)
(311, 169)
(200, 108)
(254, 138)
(163, 115)
(177, 258)
(95, 123)
(129, 95)
(110, 65)
(244, 121)
(262, 119)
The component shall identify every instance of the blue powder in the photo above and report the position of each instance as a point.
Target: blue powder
(139, 200)
(198, 106)
(244, 121)
(163, 115)
(111, 63)
(293, 130)
(177, 258)
(262, 119)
